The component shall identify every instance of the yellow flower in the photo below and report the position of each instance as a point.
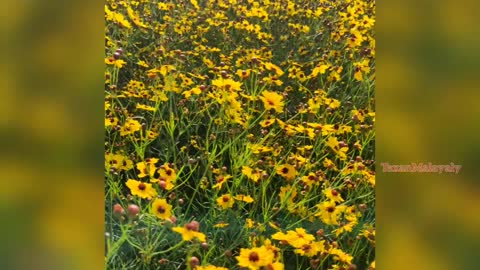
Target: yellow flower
(329, 212)
(271, 66)
(162, 209)
(287, 171)
(296, 239)
(339, 255)
(333, 195)
(221, 179)
(147, 167)
(252, 174)
(334, 144)
(131, 126)
(189, 234)
(327, 163)
(249, 223)
(143, 190)
(244, 198)
(145, 107)
(311, 249)
(255, 258)
(267, 122)
(287, 194)
(168, 175)
(243, 73)
(227, 84)
(311, 179)
(117, 162)
(142, 63)
(272, 100)
(220, 225)
(275, 266)
(319, 69)
(109, 60)
(225, 201)
(120, 63)
(210, 267)
(111, 121)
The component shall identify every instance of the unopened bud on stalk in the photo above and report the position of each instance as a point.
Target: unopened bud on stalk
(118, 210)
(162, 184)
(194, 262)
(133, 210)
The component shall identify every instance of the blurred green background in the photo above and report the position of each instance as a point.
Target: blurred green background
(51, 128)
(427, 106)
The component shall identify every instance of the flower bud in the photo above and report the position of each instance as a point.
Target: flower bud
(133, 210)
(118, 210)
(194, 262)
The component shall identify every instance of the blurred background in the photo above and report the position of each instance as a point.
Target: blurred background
(51, 128)
(427, 111)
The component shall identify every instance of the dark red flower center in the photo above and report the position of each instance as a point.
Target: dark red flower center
(253, 257)
(142, 186)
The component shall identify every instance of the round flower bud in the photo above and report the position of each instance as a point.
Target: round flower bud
(194, 261)
(118, 210)
(133, 210)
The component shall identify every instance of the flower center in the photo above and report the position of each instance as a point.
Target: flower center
(225, 199)
(253, 257)
(306, 248)
(161, 209)
(330, 209)
(285, 170)
(142, 186)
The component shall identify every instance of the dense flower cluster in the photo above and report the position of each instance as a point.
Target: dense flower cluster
(241, 133)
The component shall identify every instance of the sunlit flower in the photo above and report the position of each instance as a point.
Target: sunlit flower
(244, 198)
(253, 174)
(210, 267)
(311, 249)
(287, 171)
(297, 238)
(220, 225)
(255, 258)
(329, 212)
(225, 201)
(272, 100)
(143, 190)
(190, 232)
(131, 126)
(162, 209)
(221, 179)
(333, 195)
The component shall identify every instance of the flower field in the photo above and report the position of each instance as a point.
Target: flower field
(239, 134)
